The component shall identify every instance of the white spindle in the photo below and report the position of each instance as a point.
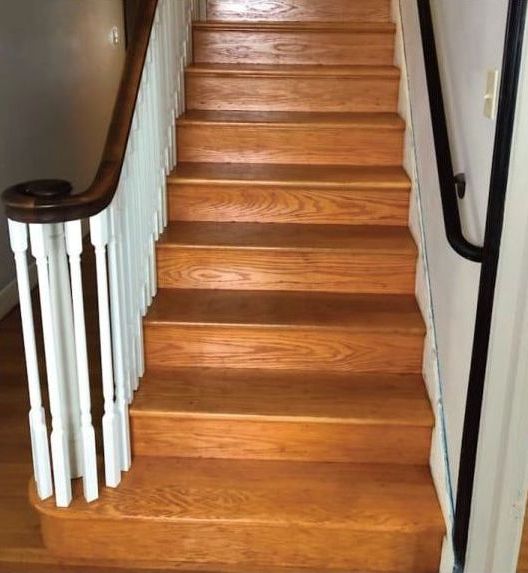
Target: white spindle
(37, 420)
(74, 249)
(62, 320)
(99, 230)
(40, 245)
(123, 394)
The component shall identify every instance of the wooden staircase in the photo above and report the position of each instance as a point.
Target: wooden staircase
(283, 421)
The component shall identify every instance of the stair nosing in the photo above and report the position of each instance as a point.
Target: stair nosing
(302, 71)
(274, 418)
(269, 26)
(299, 120)
(392, 182)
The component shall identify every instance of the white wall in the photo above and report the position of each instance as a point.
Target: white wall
(470, 36)
(59, 74)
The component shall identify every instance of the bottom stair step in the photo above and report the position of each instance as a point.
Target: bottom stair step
(354, 517)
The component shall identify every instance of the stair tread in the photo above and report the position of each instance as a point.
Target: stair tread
(324, 495)
(365, 120)
(294, 70)
(359, 312)
(271, 174)
(331, 397)
(288, 236)
(267, 26)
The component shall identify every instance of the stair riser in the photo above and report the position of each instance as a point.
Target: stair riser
(248, 203)
(282, 348)
(295, 144)
(317, 94)
(231, 438)
(252, 545)
(293, 47)
(299, 10)
(270, 204)
(282, 270)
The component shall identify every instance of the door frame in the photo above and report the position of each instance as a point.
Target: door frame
(500, 488)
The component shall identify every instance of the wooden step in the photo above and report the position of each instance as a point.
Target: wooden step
(299, 10)
(292, 88)
(353, 517)
(254, 256)
(309, 194)
(291, 138)
(265, 414)
(284, 331)
(338, 43)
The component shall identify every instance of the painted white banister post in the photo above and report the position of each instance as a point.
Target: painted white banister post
(99, 229)
(37, 420)
(74, 249)
(40, 245)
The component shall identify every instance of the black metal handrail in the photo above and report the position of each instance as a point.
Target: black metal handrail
(489, 254)
(446, 175)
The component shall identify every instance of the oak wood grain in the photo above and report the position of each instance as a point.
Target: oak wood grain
(252, 512)
(320, 44)
(284, 331)
(282, 415)
(287, 257)
(311, 204)
(299, 10)
(295, 138)
(296, 88)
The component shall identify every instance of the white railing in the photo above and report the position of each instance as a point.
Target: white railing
(123, 236)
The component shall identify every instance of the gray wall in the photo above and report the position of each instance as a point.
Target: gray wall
(470, 36)
(59, 74)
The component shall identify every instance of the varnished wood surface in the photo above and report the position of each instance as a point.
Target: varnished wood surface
(295, 138)
(344, 516)
(287, 257)
(284, 331)
(334, 176)
(299, 43)
(396, 314)
(322, 397)
(292, 88)
(295, 10)
(307, 204)
(320, 416)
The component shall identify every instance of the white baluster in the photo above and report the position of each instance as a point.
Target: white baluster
(125, 246)
(99, 229)
(40, 236)
(62, 312)
(37, 420)
(74, 249)
(123, 394)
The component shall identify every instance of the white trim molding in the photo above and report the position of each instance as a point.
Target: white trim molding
(500, 490)
(431, 372)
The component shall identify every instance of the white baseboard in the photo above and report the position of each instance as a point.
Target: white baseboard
(9, 294)
(438, 457)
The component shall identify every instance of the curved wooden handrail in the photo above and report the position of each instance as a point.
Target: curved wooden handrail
(25, 206)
